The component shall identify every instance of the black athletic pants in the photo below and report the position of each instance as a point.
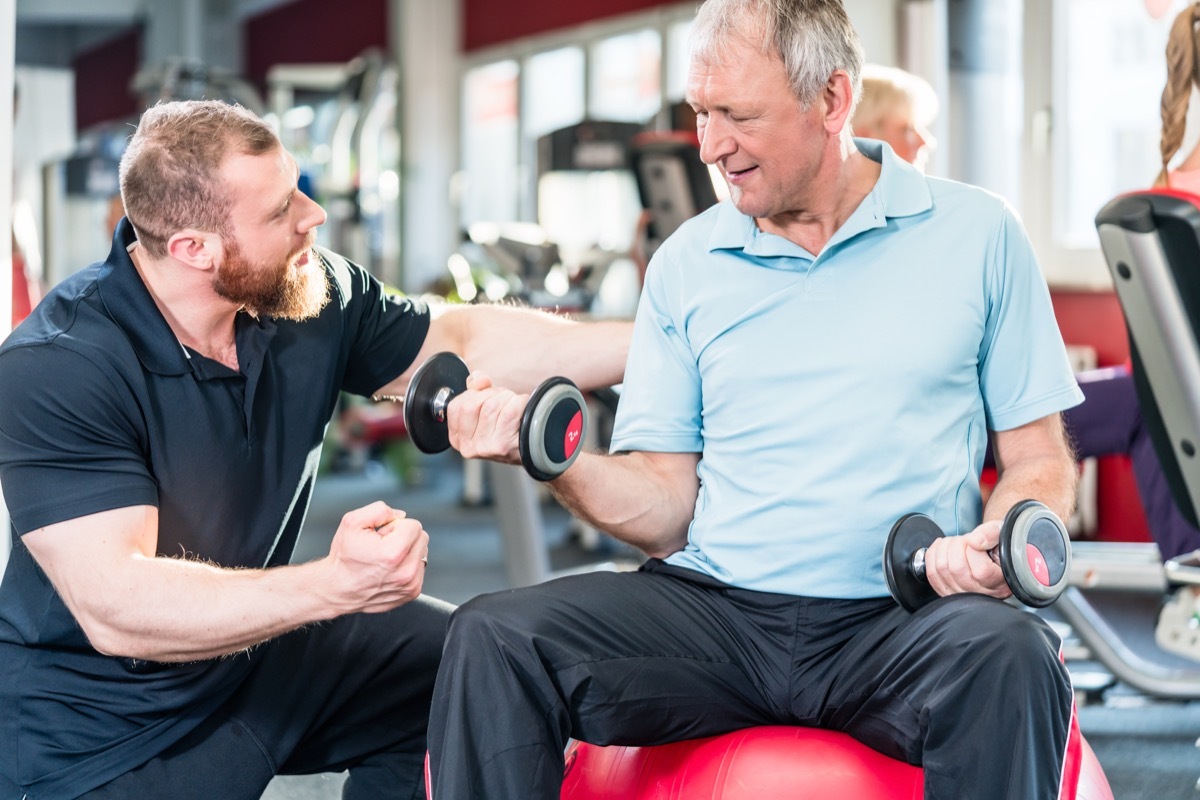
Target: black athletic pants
(969, 687)
(352, 694)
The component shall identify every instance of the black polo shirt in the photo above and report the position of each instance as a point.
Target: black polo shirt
(101, 407)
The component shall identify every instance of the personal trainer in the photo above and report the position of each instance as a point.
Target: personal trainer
(811, 361)
(164, 413)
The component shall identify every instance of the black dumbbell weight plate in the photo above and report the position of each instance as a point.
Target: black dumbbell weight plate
(911, 533)
(1035, 554)
(552, 428)
(426, 430)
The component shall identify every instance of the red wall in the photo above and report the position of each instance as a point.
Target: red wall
(313, 32)
(1094, 318)
(491, 22)
(317, 31)
(102, 78)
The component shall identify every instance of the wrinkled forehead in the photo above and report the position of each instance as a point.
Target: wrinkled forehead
(736, 71)
(721, 45)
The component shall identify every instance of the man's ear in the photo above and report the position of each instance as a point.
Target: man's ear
(193, 248)
(838, 97)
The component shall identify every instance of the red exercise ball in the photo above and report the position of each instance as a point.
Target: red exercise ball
(776, 762)
(773, 762)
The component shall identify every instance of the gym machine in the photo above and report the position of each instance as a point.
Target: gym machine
(1151, 242)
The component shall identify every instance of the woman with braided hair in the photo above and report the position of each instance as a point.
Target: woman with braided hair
(1183, 77)
(1109, 421)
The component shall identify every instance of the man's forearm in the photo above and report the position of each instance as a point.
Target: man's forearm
(131, 603)
(1052, 480)
(175, 610)
(1035, 462)
(646, 500)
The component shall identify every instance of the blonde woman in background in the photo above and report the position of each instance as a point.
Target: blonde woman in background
(897, 107)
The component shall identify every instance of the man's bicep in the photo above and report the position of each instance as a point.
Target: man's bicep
(678, 469)
(73, 441)
(446, 333)
(677, 474)
(1044, 437)
(84, 557)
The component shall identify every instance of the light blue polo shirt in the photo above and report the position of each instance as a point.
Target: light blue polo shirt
(831, 394)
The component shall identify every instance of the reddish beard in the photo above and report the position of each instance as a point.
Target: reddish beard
(282, 291)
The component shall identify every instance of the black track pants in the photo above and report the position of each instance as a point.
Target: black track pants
(969, 687)
(348, 694)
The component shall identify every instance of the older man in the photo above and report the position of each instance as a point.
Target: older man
(811, 360)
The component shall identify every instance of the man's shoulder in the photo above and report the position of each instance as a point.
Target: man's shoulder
(334, 262)
(347, 280)
(696, 232)
(70, 324)
(948, 193)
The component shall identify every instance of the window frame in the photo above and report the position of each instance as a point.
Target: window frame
(585, 36)
(1043, 161)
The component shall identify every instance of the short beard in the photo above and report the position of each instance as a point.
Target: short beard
(280, 292)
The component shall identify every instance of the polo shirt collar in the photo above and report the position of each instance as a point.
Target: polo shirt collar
(901, 191)
(130, 305)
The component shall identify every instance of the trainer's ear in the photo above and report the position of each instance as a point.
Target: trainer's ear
(838, 97)
(196, 249)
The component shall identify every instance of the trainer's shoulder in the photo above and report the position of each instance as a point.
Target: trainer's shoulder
(346, 278)
(63, 310)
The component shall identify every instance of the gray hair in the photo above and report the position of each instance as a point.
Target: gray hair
(813, 38)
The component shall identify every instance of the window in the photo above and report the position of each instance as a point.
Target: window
(1093, 85)
(1113, 51)
(626, 77)
(552, 98)
(624, 70)
(677, 60)
(490, 143)
(552, 91)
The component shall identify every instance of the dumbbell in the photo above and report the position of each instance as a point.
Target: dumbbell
(1034, 553)
(552, 427)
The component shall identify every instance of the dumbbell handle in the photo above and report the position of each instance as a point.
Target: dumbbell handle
(1034, 553)
(917, 564)
(918, 560)
(552, 427)
(437, 406)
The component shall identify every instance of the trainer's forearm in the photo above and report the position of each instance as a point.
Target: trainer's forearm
(175, 610)
(519, 347)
